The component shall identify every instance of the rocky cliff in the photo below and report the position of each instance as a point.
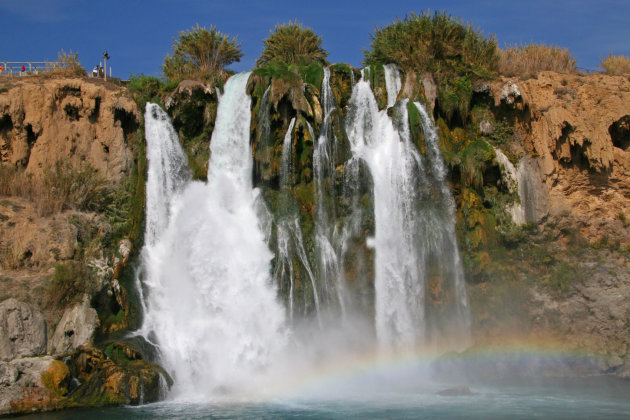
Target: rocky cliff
(68, 168)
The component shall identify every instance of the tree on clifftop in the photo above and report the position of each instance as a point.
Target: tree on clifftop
(436, 42)
(201, 53)
(292, 43)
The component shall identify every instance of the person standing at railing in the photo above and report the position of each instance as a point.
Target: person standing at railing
(95, 72)
(23, 72)
(1, 68)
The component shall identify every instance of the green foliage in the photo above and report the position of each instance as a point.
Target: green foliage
(145, 89)
(70, 281)
(278, 70)
(292, 43)
(438, 43)
(201, 53)
(455, 94)
(474, 159)
(313, 74)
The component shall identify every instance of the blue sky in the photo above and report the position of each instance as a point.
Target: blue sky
(138, 34)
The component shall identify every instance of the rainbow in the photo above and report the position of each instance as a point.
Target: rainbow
(550, 359)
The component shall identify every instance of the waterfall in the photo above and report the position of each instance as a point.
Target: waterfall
(414, 226)
(167, 173)
(290, 243)
(392, 83)
(211, 305)
(510, 176)
(327, 245)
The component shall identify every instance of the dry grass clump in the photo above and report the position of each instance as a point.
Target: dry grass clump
(61, 187)
(69, 65)
(527, 60)
(616, 65)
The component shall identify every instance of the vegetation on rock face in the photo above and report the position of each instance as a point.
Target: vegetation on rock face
(292, 43)
(438, 43)
(201, 53)
(616, 65)
(527, 60)
(62, 187)
(456, 54)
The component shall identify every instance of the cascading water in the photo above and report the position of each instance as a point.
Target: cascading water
(210, 303)
(327, 244)
(211, 306)
(392, 83)
(412, 231)
(168, 170)
(290, 242)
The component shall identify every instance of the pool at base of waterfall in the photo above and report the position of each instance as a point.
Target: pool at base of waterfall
(586, 398)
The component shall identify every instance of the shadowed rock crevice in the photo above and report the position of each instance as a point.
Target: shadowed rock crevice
(620, 132)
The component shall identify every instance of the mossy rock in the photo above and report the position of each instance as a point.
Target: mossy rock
(342, 77)
(376, 77)
(454, 98)
(312, 74)
(106, 383)
(415, 127)
(57, 377)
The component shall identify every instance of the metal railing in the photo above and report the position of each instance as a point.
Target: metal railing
(14, 68)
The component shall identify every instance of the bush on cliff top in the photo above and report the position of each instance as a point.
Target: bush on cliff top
(201, 53)
(292, 43)
(527, 60)
(617, 65)
(69, 64)
(438, 43)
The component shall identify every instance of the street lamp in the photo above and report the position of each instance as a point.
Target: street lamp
(105, 58)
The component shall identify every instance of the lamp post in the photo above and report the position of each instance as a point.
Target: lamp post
(105, 58)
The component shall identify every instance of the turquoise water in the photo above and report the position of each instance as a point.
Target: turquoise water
(587, 399)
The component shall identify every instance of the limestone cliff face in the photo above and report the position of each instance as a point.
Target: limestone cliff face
(577, 130)
(67, 160)
(572, 138)
(70, 119)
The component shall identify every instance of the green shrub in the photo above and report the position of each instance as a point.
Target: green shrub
(70, 281)
(292, 43)
(438, 43)
(201, 53)
(147, 89)
(474, 159)
(527, 60)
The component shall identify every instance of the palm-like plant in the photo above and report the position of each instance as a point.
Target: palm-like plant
(292, 43)
(201, 52)
(436, 43)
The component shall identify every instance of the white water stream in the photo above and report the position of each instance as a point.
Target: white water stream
(211, 306)
(210, 302)
(414, 226)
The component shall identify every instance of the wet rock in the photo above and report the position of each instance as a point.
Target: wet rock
(22, 330)
(104, 382)
(76, 328)
(532, 191)
(430, 89)
(510, 93)
(485, 127)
